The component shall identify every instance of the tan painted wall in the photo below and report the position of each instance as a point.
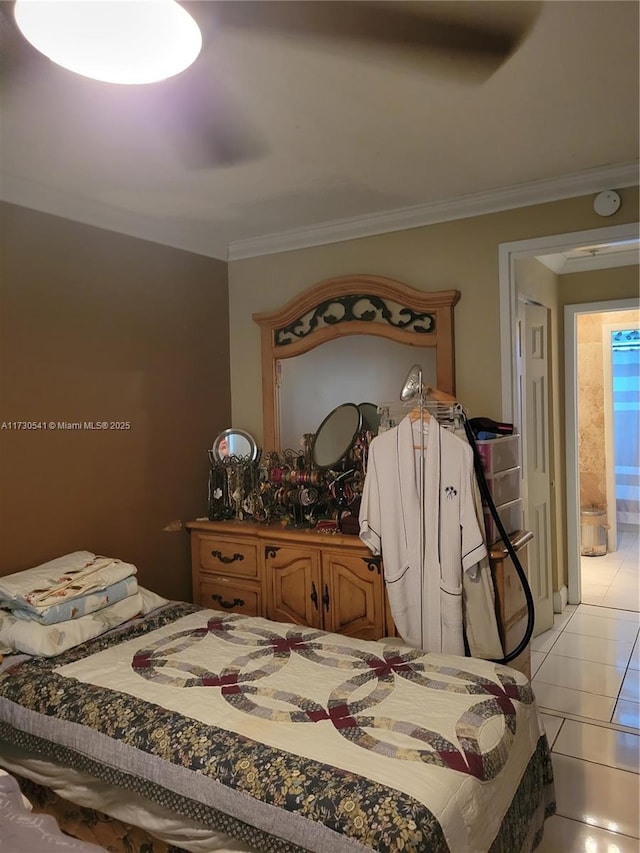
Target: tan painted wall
(97, 326)
(461, 254)
(600, 285)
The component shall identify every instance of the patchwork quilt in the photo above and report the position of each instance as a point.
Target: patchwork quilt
(290, 738)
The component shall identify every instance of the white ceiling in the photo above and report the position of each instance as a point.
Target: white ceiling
(351, 143)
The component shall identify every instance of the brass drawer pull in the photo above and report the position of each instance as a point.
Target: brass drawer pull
(224, 559)
(237, 602)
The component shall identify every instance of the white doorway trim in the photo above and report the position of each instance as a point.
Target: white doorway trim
(571, 422)
(508, 254)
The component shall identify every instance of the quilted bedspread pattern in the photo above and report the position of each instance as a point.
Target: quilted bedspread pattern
(292, 738)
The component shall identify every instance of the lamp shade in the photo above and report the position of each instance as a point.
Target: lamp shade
(116, 41)
(412, 384)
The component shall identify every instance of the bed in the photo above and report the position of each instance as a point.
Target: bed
(217, 731)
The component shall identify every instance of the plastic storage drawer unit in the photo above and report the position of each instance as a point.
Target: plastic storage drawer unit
(499, 454)
(510, 515)
(504, 485)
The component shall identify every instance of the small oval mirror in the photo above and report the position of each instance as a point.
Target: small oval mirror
(234, 442)
(335, 435)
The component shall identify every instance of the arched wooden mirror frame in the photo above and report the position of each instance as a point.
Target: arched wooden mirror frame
(356, 305)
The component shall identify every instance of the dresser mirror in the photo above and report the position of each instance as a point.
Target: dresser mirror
(347, 369)
(335, 435)
(349, 338)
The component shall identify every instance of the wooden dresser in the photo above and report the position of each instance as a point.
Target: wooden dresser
(328, 581)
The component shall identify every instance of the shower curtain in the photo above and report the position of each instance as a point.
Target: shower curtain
(626, 414)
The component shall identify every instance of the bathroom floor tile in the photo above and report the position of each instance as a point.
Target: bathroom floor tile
(630, 690)
(596, 649)
(562, 835)
(593, 595)
(609, 629)
(622, 593)
(552, 726)
(599, 744)
(626, 714)
(597, 795)
(588, 676)
(575, 702)
(602, 573)
(634, 661)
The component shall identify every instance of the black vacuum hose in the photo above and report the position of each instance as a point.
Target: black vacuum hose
(486, 494)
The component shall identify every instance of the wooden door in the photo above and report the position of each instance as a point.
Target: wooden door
(352, 595)
(536, 396)
(293, 585)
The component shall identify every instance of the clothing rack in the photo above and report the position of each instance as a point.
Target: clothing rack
(449, 415)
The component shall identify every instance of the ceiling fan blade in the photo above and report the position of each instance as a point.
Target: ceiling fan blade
(207, 124)
(411, 27)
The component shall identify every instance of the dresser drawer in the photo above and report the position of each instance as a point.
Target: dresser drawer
(231, 595)
(228, 556)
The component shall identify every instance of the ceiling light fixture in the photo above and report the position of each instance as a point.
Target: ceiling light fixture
(116, 41)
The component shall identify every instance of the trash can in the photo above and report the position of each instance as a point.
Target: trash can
(593, 532)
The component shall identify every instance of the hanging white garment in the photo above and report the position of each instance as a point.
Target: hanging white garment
(453, 542)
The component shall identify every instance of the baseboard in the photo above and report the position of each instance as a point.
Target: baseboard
(560, 599)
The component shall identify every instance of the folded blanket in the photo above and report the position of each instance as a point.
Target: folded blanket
(31, 638)
(74, 608)
(64, 578)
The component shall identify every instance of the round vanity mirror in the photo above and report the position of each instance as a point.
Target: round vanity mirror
(335, 435)
(234, 442)
(370, 417)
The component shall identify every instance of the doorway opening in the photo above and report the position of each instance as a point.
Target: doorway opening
(565, 495)
(606, 450)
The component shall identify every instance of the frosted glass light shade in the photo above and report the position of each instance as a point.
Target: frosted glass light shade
(117, 41)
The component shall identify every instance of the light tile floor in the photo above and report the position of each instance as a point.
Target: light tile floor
(586, 678)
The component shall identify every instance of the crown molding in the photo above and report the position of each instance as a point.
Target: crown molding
(463, 207)
(66, 205)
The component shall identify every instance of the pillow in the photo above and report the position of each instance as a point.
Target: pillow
(31, 638)
(61, 579)
(75, 608)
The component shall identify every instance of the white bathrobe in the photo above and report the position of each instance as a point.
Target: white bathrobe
(453, 540)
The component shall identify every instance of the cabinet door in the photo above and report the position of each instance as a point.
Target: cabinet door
(352, 595)
(293, 585)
